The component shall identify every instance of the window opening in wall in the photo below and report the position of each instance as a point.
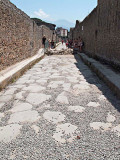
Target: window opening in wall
(82, 28)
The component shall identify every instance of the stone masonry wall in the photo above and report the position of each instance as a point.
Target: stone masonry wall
(20, 37)
(100, 31)
(108, 34)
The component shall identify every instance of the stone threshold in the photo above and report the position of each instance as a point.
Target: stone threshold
(13, 72)
(111, 78)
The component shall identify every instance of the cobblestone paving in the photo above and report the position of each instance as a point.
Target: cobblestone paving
(59, 110)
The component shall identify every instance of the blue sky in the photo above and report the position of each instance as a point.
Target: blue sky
(52, 10)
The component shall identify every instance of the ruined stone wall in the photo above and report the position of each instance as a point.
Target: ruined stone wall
(100, 31)
(108, 30)
(20, 37)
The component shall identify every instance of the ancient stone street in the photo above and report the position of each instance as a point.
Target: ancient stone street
(59, 110)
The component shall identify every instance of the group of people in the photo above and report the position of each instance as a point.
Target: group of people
(76, 44)
(47, 43)
(67, 42)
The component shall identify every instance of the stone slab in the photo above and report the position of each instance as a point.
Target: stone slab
(24, 117)
(9, 132)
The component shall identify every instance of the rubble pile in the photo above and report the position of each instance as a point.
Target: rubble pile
(59, 52)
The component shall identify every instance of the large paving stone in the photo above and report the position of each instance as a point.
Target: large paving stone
(24, 117)
(81, 87)
(64, 130)
(66, 86)
(62, 98)
(117, 130)
(37, 98)
(55, 84)
(41, 81)
(73, 80)
(34, 88)
(54, 117)
(10, 91)
(19, 95)
(21, 107)
(1, 105)
(1, 116)
(110, 118)
(6, 98)
(9, 132)
(101, 126)
(93, 104)
(76, 108)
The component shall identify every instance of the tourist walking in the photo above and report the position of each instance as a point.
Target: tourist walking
(82, 45)
(67, 44)
(49, 43)
(43, 41)
(52, 44)
(79, 44)
(75, 49)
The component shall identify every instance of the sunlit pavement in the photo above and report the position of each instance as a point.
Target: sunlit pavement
(61, 46)
(59, 110)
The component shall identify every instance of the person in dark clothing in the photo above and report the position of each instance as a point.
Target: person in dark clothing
(52, 44)
(43, 41)
(82, 45)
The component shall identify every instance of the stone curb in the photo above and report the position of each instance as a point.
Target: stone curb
(111, 78)
(12, 73)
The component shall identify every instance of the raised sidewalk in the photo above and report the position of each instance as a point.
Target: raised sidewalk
(15, 71)
(109, 76)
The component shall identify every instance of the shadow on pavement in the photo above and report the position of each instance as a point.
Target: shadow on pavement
(111, 97)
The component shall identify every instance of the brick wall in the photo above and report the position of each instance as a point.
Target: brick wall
(100, 31)
(20, 37)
